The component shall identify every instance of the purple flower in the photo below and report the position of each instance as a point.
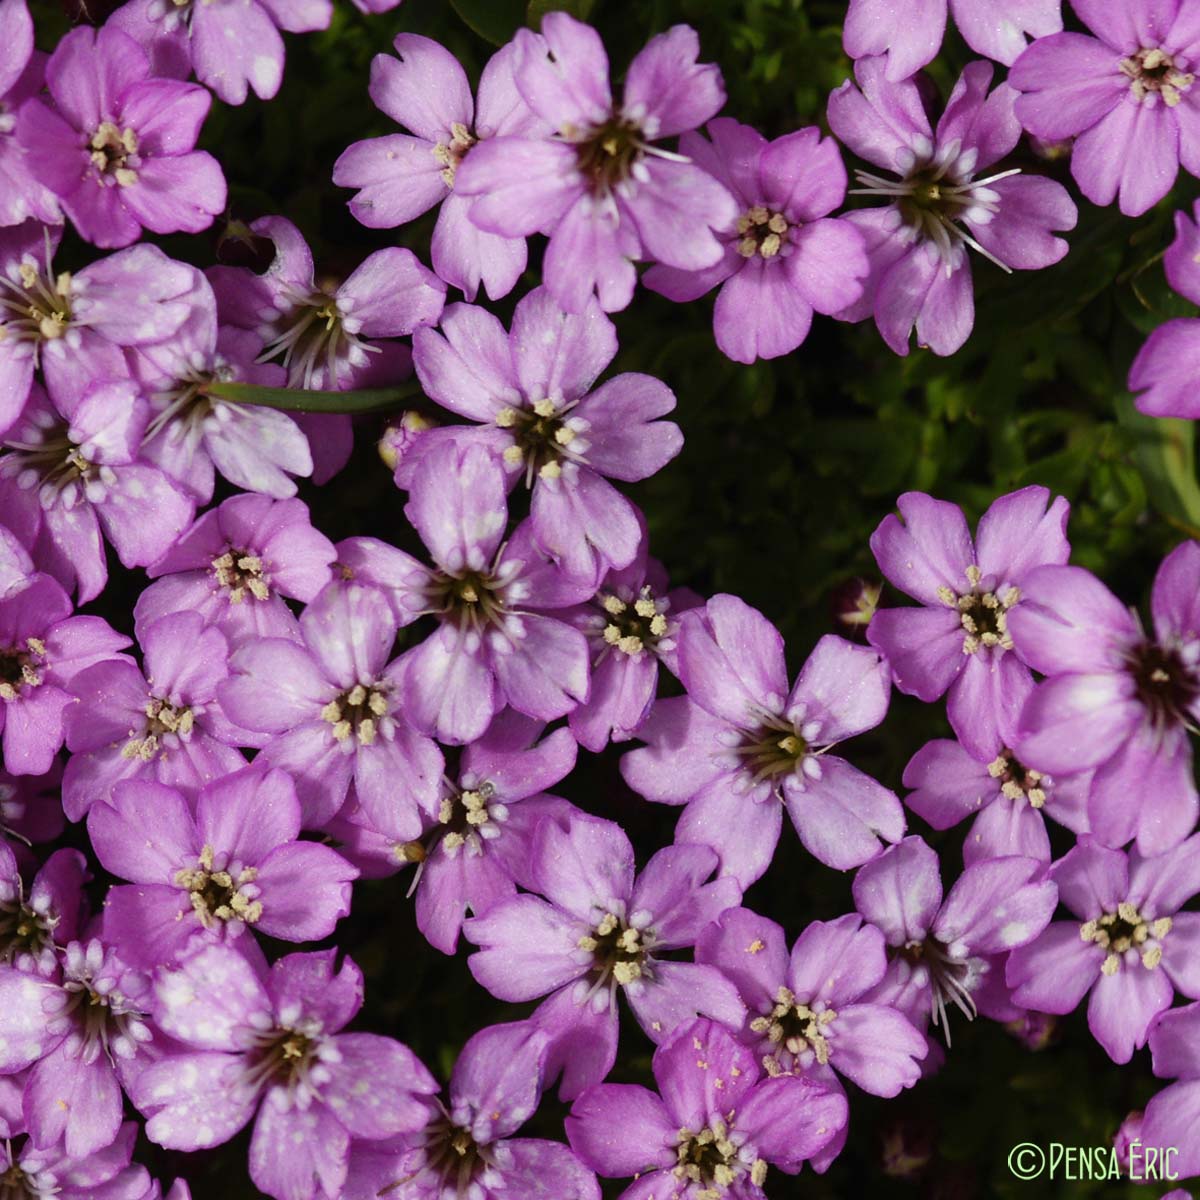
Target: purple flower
(1008, 800)
(937, 207)
(1131, 947)
(35, 924)
(600, 929)
(270, 1042)
(716, 1129)
(1116, 700)
(1170, 1117)
(208, 871)
(950, 952)
(333, 712)
(1166, 365)
(75, 326)
(237, 566)
(22, 197)
(400, 176)
(806, 1012)
(740, 747)
(531, 390)
(231, 47)
(912, 36)
(1124, 95)
(117, 147)
(70, 472)
(784, 257)
(105, 1175)
(42, 649)
(959, 640)
(631, 625)
(163, 724)
(600, 188)
(192, 434)
(326, 333)
(80, 1036)
(496, 643)
(467, 1148)
(476, 841)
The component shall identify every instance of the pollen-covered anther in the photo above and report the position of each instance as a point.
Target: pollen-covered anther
(451, 153)
(358, 712)
(239, 572)
(795, 1028)
(1154, 73)
(114, 153)
(761, 232)
(216, 894)
(1123, 930)
(1017, 781)
(637, 623)
(162, 719)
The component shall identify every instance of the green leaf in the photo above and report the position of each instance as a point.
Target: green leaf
(1164, 451)
(295, 400)
(494, 20)
(579, 9)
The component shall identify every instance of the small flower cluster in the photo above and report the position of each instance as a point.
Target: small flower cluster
(270, 735)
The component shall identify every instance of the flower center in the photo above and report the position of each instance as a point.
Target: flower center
(21, 667)
(185, 406)
(165, 725)
(1124, 930)
(774, 749)
(794, 1032)
(105, 1021)
(57, 466)
(607, 154)
(453, 1160)
(1166, 681)
(317, 336)
(712, 1160)
(470, 817)
(35, 307)
(287, 1057)
(471, 599)
(220, 893)
(1154, 73)
(951, 978)
(619, 951)
(543, 436)
(239, 572)
(114, 154)
(632, 627)
(983, 614)
(762, 232)
(16, 1185)
(451, 153)
(24, 930)
(358, 714)
(1016, 780)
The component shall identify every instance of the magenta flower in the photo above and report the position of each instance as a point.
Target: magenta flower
(806, 1012)
(600, 188)
(740, 747)
(1124, 95)
(42, 649)
(1116, 700)
(332, 708)
(1171, 1116)
(80, 1035)
(1131, 947)
(632, 626)
(717, 1128)
(400, 176)
(270, 1041)
(237, 566)
(468, 1148)
(206, 871)
(231, 47)
(1008, 800)
(476, 844)
(326, 334)
(22, 197)
(105, 1175)
(163, 724)
(601, 930)
(70, 472)
(35, 924)
(117, 147)
(784, 257)
(950, 953)
(531, 390)
(937, 207)
(497, 643)
(1166, 365)
(911, 37)
(958, 640)
(76, 325)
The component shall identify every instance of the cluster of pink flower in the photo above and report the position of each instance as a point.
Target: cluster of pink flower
(218, 769)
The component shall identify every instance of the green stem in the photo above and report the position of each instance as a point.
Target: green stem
(369, 400)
